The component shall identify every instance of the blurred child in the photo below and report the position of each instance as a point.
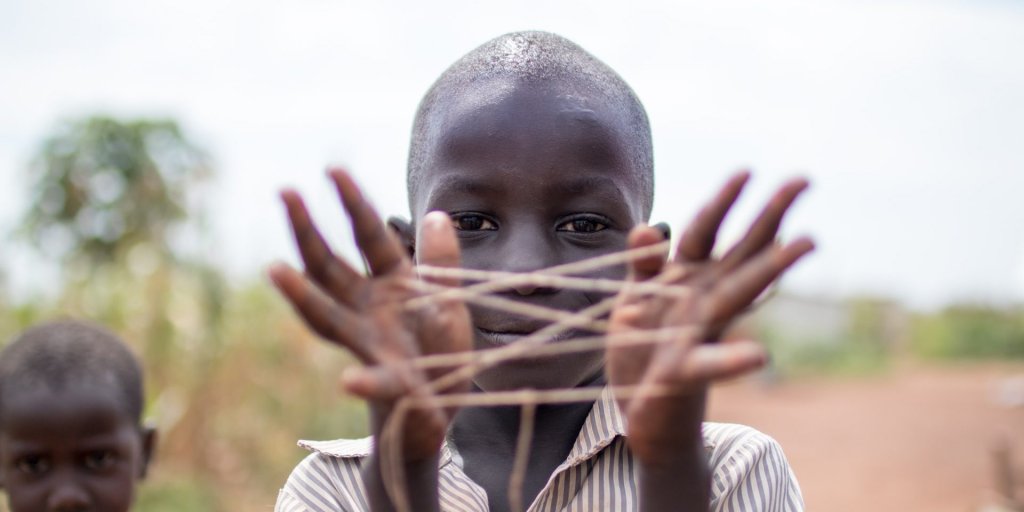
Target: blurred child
(71, 398)
(529, 153)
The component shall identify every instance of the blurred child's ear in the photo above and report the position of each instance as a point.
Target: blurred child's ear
(666, 230)
(148, 434)
(406, 233)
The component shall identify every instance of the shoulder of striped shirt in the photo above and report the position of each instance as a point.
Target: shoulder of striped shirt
(729, 443)
(724, 437)
(719, 440)
(738, 456)
(749, 471)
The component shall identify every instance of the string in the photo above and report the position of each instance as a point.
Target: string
(464, 366)
(527, 414)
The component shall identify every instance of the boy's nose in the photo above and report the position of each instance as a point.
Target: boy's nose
(528, 252)
(524, 263)
(68, 497)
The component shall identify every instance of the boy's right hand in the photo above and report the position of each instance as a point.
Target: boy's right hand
(367, 315)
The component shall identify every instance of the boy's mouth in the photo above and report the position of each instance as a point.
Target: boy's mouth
(506, 337)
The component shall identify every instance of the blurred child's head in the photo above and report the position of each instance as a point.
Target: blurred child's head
(71, 437)
(542, 155)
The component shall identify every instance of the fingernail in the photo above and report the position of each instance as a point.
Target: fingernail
(274, 272)
(805, 243)
(350, 379)
(435, 220)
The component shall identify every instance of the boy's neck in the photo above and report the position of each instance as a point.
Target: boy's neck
(556, 426)
(485, 438)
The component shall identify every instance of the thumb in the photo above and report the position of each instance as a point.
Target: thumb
(632, 310)
(438, 247)
(374, 383)
(642, 269)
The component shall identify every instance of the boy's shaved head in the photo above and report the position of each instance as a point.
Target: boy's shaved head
(64, 354)
(534, 58)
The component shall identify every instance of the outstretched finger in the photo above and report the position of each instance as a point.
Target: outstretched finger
(383, 253)
(375, 383)
(635, 309)
(766, 227)
(334, 323)
(711, 362)
(449, 327)
(438, 246)
(698, 239)
(330, 272)
(737, 290)
(646, 267)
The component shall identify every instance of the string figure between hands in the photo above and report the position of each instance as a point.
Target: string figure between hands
(409, 327)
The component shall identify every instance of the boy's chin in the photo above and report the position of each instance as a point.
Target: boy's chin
(559, 372)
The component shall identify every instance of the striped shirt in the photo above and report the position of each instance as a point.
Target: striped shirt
(749, 473)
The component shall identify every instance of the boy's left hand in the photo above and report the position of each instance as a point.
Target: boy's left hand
(665, 425)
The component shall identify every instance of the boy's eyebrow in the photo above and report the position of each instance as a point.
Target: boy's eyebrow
(577, 185)
(463, 184)
(20, 446)
(589, 183)
(459, 185)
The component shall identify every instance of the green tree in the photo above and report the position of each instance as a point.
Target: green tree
(103, 187)
(109, 199)
(232, 376)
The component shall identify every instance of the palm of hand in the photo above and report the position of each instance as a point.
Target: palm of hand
(668, 380)
(369, 316)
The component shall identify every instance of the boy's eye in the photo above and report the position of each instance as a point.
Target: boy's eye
(32, 464)
(472, 222)
(583, 225)
(99, 460)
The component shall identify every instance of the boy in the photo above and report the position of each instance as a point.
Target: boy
(70, 408)
(529, 153)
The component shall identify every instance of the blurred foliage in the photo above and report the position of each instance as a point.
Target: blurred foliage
(229, 400)
(858, 340)
(971, 331)
(103, 187)
(175, 496)
(834, 356)
(874, 332)
(233, 379)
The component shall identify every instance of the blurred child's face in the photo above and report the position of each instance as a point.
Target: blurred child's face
(74, 450)
(532, 176)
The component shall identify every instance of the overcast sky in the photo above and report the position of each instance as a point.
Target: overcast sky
(907, 116)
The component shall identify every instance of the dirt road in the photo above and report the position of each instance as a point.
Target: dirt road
(913, 439)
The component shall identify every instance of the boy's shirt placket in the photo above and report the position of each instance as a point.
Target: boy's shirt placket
(749, 472)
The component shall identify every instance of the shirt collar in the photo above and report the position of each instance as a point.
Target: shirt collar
(343, 448)
(604, 423)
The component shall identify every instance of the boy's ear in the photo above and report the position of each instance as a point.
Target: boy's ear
(148, 434)
(665, 229)
(406, 233)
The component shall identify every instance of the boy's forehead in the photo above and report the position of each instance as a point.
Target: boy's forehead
(509, 124)
(505, 99)
(92, 403)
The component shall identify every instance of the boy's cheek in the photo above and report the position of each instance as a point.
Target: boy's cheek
(24, 496)
(114, 491)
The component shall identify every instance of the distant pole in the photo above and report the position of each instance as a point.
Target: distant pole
(1006, 481)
